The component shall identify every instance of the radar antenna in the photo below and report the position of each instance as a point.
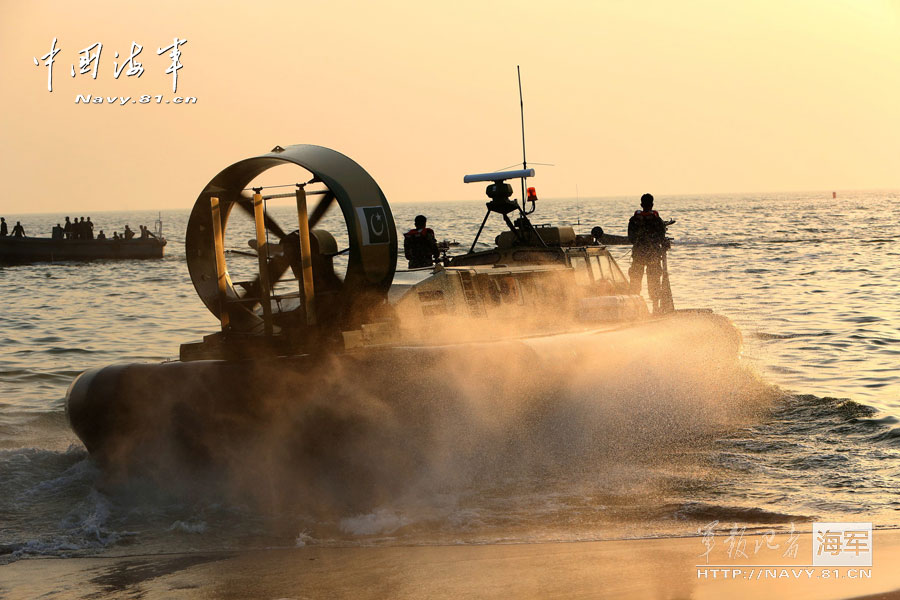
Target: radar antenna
(499, 192)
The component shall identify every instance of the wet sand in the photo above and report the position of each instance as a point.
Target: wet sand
(657, 568)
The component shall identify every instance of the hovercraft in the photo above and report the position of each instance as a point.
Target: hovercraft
(280, 355)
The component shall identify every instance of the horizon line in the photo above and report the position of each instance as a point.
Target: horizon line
(552, 198)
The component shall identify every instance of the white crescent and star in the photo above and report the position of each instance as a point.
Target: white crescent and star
(379, 230)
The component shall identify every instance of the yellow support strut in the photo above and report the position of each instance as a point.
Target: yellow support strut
(262, 250)
(219, 244)
(306, 287)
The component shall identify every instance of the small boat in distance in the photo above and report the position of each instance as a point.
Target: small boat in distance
(30, 250)
(24, 250)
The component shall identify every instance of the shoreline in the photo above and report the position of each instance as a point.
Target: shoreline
(650, 567)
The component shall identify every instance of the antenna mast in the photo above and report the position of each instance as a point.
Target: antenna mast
(522, 114)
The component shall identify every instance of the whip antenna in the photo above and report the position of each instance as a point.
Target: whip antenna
(522, 114)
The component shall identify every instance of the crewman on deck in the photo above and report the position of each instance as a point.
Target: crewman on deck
(18, 230)
(3, 230)
(56, 232)
(67, 229)
(420, 245)
(101, 235)
(647, 233)
(88, 229)
(129, 233)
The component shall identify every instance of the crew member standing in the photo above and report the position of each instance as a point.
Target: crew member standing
(18, 230)
(3, 230)
(647, 233)
(419, 245)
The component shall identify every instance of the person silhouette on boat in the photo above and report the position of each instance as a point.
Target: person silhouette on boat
(56, 232)
(88, 229)
(18, 230)
(67, 229)
(101, 235)
(116, 236)
(419, 245)
(129, 233)
(647, 233)
(3, 230)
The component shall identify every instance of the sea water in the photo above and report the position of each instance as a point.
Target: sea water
(811, 281)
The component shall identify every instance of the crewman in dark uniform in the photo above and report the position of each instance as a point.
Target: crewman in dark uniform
(419, 245)
(3, 230)
(18, 230)
(647, 233)
(129, 232)
(67, 229)
(56, 232)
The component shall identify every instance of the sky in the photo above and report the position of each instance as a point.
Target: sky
(621, 97)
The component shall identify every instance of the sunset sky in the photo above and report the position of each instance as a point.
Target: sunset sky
(622, 97)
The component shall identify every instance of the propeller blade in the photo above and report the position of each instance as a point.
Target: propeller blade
(277, 268)
(320, 210)
(246, 203)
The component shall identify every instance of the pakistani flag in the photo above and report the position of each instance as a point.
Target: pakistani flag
(374, 225)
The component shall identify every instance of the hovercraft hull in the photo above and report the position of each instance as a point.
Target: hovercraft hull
(212, 413)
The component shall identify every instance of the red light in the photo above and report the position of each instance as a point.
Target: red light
(532, 194)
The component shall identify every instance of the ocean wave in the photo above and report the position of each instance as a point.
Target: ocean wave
(891, 437)
(52, 504)
(188, 526)
(377, 522)
(762, 335)
(700, 511)
(75, 514)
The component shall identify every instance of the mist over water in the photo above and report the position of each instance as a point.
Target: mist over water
(508, 444)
